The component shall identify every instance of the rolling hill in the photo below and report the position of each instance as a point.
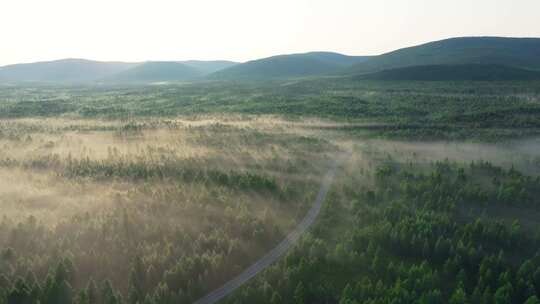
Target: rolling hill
(455, 57)
(285, 66)
(84, 71)
(513, 52)
(470, 72)
(65, 70)
(156, 72)
(209, 67)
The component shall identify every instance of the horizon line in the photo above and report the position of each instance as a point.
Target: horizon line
(245, 61)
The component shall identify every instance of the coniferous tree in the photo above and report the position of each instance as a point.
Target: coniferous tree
(532, 300)
(299, 294)
(503, 294)
(276, 298)
(346, 295)
(108, 295)
(459, 296)
(20, 293)
(137, 282)
(92, 292)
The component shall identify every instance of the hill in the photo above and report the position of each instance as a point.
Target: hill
(515, 52)
(65, 70)
(294, 65)
(209, 67)
(472, 72)
(82, 71)
(156, 72)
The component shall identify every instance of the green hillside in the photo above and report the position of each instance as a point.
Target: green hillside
(156, 72)
(209, 67)
(294, 65)
(84, 71)
(516, 52)
(474, 72)
(65, 70)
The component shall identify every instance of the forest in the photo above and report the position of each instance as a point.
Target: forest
(162, 193)
(437, 236)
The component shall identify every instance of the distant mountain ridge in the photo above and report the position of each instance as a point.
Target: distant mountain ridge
(293, 65)
(455, 57)
(209, 66)
(161, 71)
(64, 70)
(84, 71)
(513, 52)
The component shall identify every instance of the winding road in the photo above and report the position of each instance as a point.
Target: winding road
(274, 254)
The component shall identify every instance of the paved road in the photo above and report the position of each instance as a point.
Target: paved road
(280, 249)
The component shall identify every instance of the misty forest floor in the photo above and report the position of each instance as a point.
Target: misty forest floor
(159, 194)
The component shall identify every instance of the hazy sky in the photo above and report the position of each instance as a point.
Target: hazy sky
(137, 30)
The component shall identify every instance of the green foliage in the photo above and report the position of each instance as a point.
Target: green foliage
(420, 237)
(459, 296)
(392, 234)
(417, 110)
(517, 52)
(90, 72)
(155, 72)
(456, 72)
(287, 66)
(170, 228)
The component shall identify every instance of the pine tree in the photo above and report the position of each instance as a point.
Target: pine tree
(108, 295)
(92, 292)
(503, 295)
(149, 300)
(20, 293)
(346, 295)
(57, 290)
(432, 297)
(276, 298)
(137, 282)
(70, 271)
(532, 300)
(476, 296)
(459, 296)
(162, 295)
(299, 294)
(33, 283)
(487, 297)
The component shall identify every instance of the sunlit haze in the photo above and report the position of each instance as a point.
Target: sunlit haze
(241, 30)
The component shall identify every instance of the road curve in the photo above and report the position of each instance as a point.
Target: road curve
(274, 254)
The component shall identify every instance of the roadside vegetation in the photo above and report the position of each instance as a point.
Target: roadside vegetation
(441, 232)
(117, 210)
